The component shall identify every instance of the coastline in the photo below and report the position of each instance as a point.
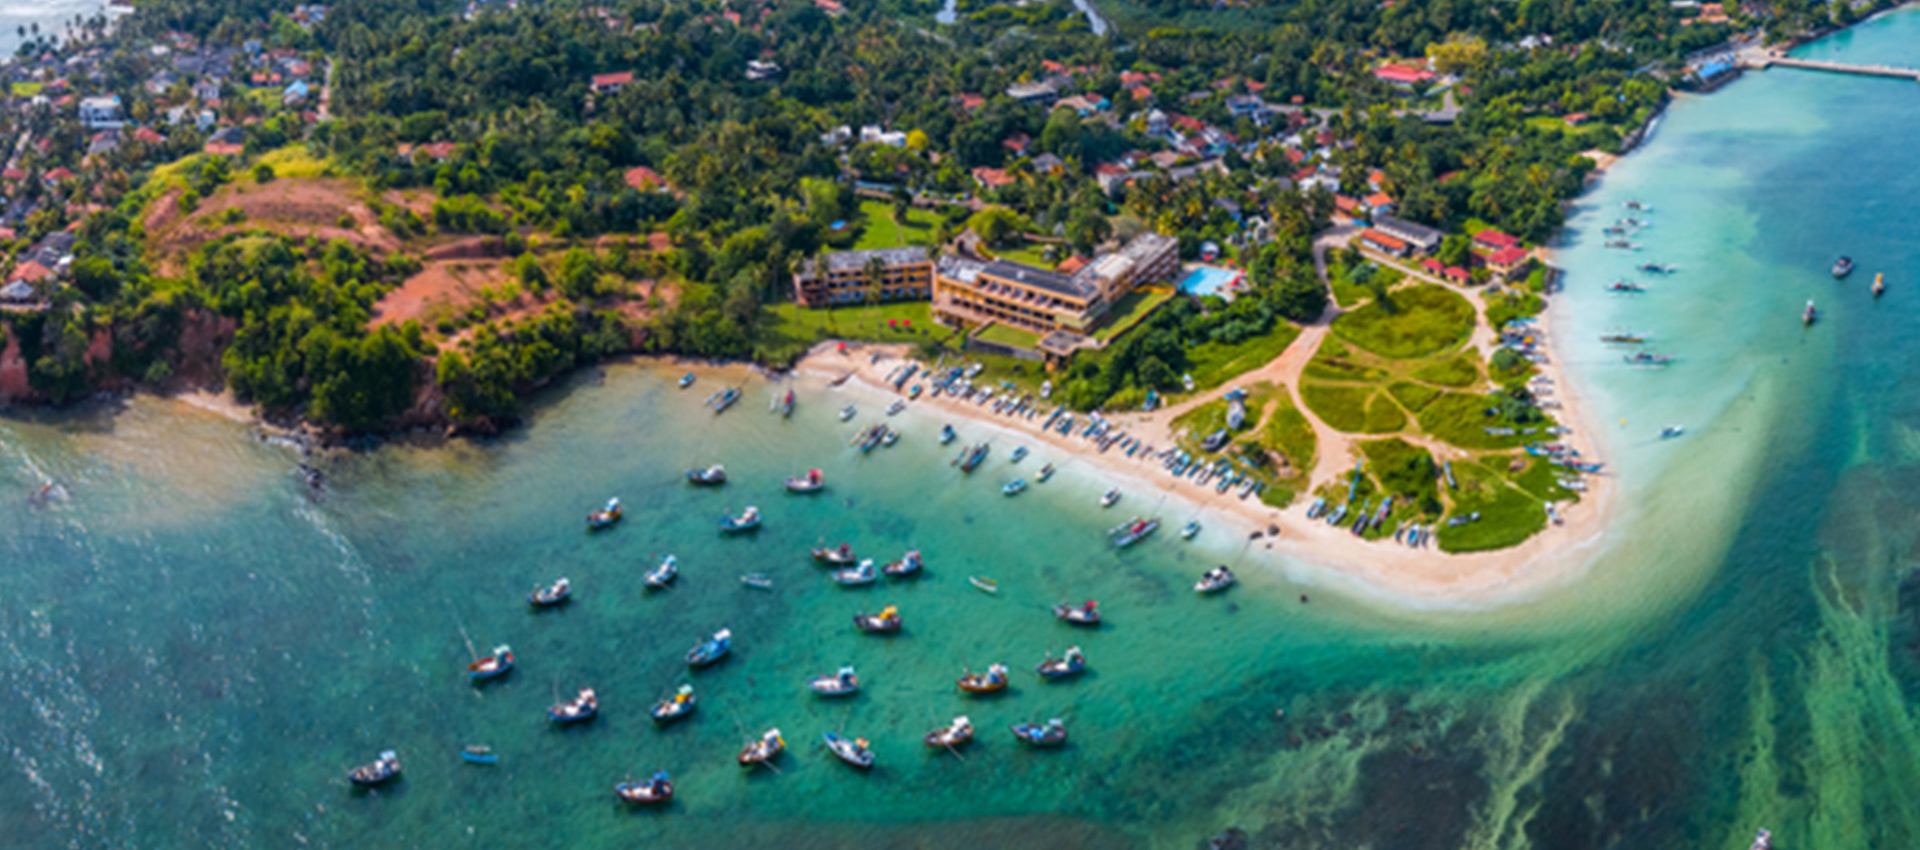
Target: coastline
(1307, 552)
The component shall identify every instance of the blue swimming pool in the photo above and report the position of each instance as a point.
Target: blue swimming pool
(1208, 280)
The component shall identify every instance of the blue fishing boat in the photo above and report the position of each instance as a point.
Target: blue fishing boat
(1072, 663)
(947, 434)
(584, 706)
(909, 564)
(1046, 472)
(376, 772)
(606, 516)
(653, 792)
(1018, 453)
(853, 751)
(709, 652)
(748, 520)
(686, 380)
(664, 574)
(1132, 531)
(725, 399)
(479, 754)
(857, 576)
(1052, 733)
(840, 684)
(1014, 487)
(672, 708)
(1188, 531)
(500, 663)
(712, 476)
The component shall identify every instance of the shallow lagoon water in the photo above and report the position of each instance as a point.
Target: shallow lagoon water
(195, 649)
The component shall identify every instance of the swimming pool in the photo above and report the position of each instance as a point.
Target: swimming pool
(1209, 280)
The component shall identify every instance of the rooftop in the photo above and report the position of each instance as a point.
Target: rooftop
(844, 261)
(1055, 282)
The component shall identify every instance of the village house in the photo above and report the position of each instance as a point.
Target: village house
(1035, 92)
(101, 113)
(1403, 75)
(228, 141)
(610, 83)
(1509, 262)
(1491, 240)
(1385, 243)
(1419, 237)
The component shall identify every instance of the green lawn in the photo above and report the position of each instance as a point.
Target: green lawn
(1030, 253)
(1463, 419)
(1353, 285)
(1288, 433)
(1216, 363)
(1459, 371)
(1010, 337)
(1342, 407)
(293, 162)
(1136, 306)
(792, 329)
(879, 230)
(1416, 321)
(1413, 396)
(1507, 516)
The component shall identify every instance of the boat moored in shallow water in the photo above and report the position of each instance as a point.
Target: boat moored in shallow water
(1842, 267)
(1046, 472)
(1672, 431)
(947, 434)
(856, 576)
(686, 380)
(883, 623)
(991, 682)
(1132, 531)
(709, 652)
(479, 754)
(1879, 284)
(847, 413)
(664, 574)
(672, 708)
(984, 584)
(1809, 315)
(493, 666)
(1072, 663)
(954, 734)
(1214, 580)
(762, 749)
(584, 706)
(1110, 498)
(853, 751)
(841, 684)
(909, 564)
(1052, 733)
(712, 476)
(653, 792)
(748, 520)
(553, 594)
(813, 482)
(841, 555)
(1188, 531)
(1085, 614)
(1014, 487)
(376, 772)
(606, 516)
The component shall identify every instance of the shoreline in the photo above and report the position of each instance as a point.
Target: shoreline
(1306, 551)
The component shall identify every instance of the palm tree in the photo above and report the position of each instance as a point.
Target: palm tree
(876, 280)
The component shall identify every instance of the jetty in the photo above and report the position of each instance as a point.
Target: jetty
(1760, 60)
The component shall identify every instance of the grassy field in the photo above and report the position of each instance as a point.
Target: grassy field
(1136, 306)
(26, 89)
(792, 329)
(293, 161)
(1216, 363)
(1354, 285)
(1009, 336)
(879, 230)
(1416, 321)
(1506, 516)
(1030, 253)
(1288, 434)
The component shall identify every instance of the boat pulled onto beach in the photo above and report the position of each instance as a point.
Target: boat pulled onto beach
(606, 516)
(584, 706)
(686, 380)
(1071, 663)
(762, 749)
(653, 792)
(887, 621)
(709, 652)
(746, 520)
(377, 772)
(492, 666)
(553, 594)
(1052, 733)
(712, 476)
(1085, 614)
(680, 704)
(853, 751)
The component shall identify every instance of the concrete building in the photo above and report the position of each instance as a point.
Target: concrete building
(968, 291)
(845, 277)
(101, 113)
(1419, 237)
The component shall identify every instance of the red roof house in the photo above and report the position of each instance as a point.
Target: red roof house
(1494, 240)
(606, 83)
(644, 179)
(1403, 75)
(1384, 243)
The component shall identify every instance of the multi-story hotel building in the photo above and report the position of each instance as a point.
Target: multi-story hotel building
(848, 277)
(968, 291)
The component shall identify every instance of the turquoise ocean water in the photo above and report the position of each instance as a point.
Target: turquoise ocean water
(193, 649)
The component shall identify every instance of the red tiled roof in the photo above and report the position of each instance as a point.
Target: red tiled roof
(58, 175)
(1507, 257)
(1458, 273)
(1379, 199)
(1071, 264)
(1345, 204)
(617, 78)
(1017, 142)
(992, 177)
(1576, 118)
(1433, 266)
(1495, 239)
(1141, 93)
(1394, 72)
(147, 134)
(971, 102)
(644, 179)
(1383, 240)
(31, 272)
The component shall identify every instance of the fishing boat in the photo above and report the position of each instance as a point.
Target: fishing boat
(841, 555)
(1014, 487)
(972, 457)
(888, 437)
(1072, 663)
(584, 706)
(712, 476)
(663, 575)
(725, 399)
(1842, 267)
(954, 734)
(1052, 733)
(652, 792)
(787, 404)
(757, 581)
(672, 708)
(748, 520)
(1646, 358)
(1879, 284)
(1623, 338)
(1132, 531)
(1214, 580)
(1188, 531)
(763, 749)
(857, 576)
(1672, 431)
(1657, 268)
(606, 516)
(1809, 315)
(1046, 472)
(500, 663)
(847, 413)
(853, 751)
(885, 622)
(812, 482)
(709, 652)
(947, 434)
(479, 754)
(1084, 614)
(553, 594)
(376, 772)
(1625, 287)
(1019, 452)
(899, 404)
(686, 380)
(992, 681)
(841, 684)
(984, 584)
(909, 564)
